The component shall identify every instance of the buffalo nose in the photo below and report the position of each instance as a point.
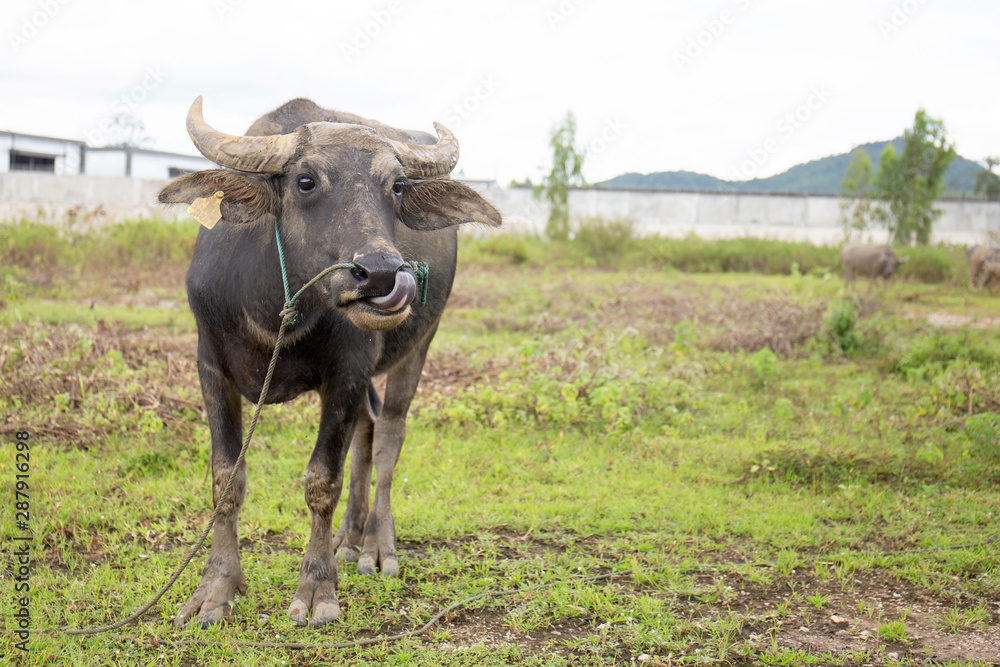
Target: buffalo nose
(375, 273)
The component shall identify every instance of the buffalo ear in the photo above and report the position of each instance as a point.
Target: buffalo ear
(438, 203)
(246, 197)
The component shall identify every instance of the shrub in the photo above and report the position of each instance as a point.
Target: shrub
(501, 249)
(695, 255)
(933, 264)
(840, 329)
(604, 242)
(31, 247)
(36, 252)
(983, 431)
(143, 243)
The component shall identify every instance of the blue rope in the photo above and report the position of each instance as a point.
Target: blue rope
(281, 257)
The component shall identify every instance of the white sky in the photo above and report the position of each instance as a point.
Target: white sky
(514, 68)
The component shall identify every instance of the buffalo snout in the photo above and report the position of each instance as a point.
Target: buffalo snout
(381, 289)
(375, 274)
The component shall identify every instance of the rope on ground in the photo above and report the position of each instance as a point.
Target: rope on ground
(289, 314)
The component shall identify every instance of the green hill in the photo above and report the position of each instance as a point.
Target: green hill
(821, 176)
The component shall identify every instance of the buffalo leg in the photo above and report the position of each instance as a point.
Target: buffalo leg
(378, 545)
(222, 577)
(316, 595)
(348, 539)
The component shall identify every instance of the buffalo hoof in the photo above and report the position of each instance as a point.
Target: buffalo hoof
(316, 606)
(387, 565)
(347, 544)
(379, 551)
(213, 600)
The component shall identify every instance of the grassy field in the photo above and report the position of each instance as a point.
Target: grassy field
(622, 452)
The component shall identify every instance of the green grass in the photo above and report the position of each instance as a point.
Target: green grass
(708, 440)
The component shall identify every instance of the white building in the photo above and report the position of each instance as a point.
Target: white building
(141, 163)
(28, 152)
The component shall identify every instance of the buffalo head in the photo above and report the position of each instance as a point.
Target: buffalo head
(338, 190)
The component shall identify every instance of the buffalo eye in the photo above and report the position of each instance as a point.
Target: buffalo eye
(306, 183)
(397, 187)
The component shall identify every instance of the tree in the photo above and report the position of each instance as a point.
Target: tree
(910, 183)
(126, 131)
(988, 183)
(567, 163)
(858, 210)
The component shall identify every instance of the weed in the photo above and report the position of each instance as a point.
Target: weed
(894, 631)
(764, 364)
(983, 433)
(818, 601)
(957, 621)
(841, 333)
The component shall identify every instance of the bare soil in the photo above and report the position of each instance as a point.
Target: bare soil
(780, 613)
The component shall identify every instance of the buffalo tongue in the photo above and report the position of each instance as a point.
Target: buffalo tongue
(403, 291)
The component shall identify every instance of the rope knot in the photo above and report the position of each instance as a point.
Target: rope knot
(290, 313)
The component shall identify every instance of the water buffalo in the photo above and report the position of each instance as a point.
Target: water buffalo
(977, 256)
(343, 189)
(870, 261)
(990, 271)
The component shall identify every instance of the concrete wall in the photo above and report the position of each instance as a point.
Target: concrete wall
(84, 200)
(813, 218)
(95, 200)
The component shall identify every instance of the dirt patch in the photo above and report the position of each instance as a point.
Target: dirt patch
(82, 374)
(809, 610)
(946, 319)
(839, 625)
(727, 317)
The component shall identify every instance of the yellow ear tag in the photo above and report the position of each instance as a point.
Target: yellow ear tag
(207, 210)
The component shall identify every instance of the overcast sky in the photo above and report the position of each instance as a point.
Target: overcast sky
(731, 88)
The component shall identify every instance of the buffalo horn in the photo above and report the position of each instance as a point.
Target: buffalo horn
(429, 161)
(267, 154)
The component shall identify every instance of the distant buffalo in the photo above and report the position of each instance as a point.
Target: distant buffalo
(978, 256)
(990, 271)
(871, 261)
